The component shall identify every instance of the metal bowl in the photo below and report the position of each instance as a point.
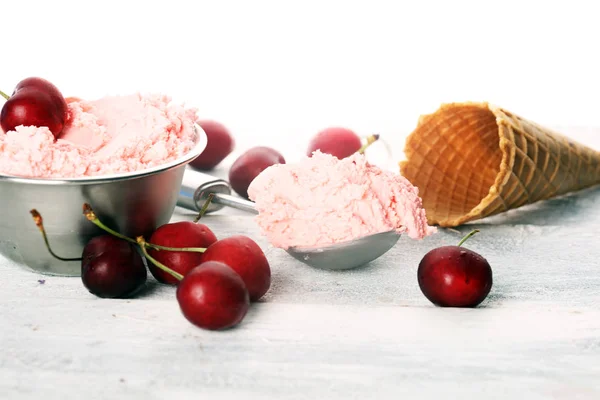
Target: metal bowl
(134, 204)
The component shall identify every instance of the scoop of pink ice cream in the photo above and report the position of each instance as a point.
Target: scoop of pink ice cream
(322, 200)
(116, 134)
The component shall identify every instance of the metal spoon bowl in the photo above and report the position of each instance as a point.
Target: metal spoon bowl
(346, 255)
(197, 186)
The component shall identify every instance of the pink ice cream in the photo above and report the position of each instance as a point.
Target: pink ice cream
(322, 200)
(116, 134)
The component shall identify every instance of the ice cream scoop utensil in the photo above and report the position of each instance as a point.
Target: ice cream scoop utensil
(197, 186)
(346, 255)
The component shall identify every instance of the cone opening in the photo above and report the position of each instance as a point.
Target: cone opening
(453, 157)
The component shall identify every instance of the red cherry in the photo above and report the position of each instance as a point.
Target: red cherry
(112, 267)
(337, 141)
(213, 296)
(44, 86)
(35, 102)
(452, 276)
(220, 145)
(246, 258)
(178, 234)
(249, 165)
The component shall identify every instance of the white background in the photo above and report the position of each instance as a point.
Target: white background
(276, 72)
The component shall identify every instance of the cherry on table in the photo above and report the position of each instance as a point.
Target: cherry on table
(453, 276)
(220, 144)
(112, 267)
(246, 258)
(249, 165)
(213, 296)
(337, 141)
(183, 234)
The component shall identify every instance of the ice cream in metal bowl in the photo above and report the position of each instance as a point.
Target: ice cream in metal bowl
(134, 203)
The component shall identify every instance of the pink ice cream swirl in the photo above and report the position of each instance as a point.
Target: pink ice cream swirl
(322, 200)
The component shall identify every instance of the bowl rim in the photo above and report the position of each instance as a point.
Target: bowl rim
(199, 146)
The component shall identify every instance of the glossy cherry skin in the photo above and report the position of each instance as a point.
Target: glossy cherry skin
(213, 296)
(220, 144)
(246, 258)
(337, 141)
(112, 267)
(178, 234)
(249, 165)
(453, 276)
(35, 102)
(45, 86)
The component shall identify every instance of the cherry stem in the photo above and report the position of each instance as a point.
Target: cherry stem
(143, 244)
(166, 248)
(39, 221)
(370, 140)
(204, 207)
(92, 217)
(474, 231)
(7, 97)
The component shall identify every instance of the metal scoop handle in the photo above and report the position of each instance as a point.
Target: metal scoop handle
(197, 186)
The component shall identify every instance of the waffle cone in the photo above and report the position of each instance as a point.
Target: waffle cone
(474, 160)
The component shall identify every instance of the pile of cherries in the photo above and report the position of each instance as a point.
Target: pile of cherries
(216, 279)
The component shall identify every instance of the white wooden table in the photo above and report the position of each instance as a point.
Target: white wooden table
(367, 333)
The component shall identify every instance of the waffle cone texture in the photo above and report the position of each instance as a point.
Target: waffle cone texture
(474, 160)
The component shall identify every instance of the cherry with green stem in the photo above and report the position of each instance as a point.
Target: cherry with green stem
(453, 276)
(110, 267)
(182, 234)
